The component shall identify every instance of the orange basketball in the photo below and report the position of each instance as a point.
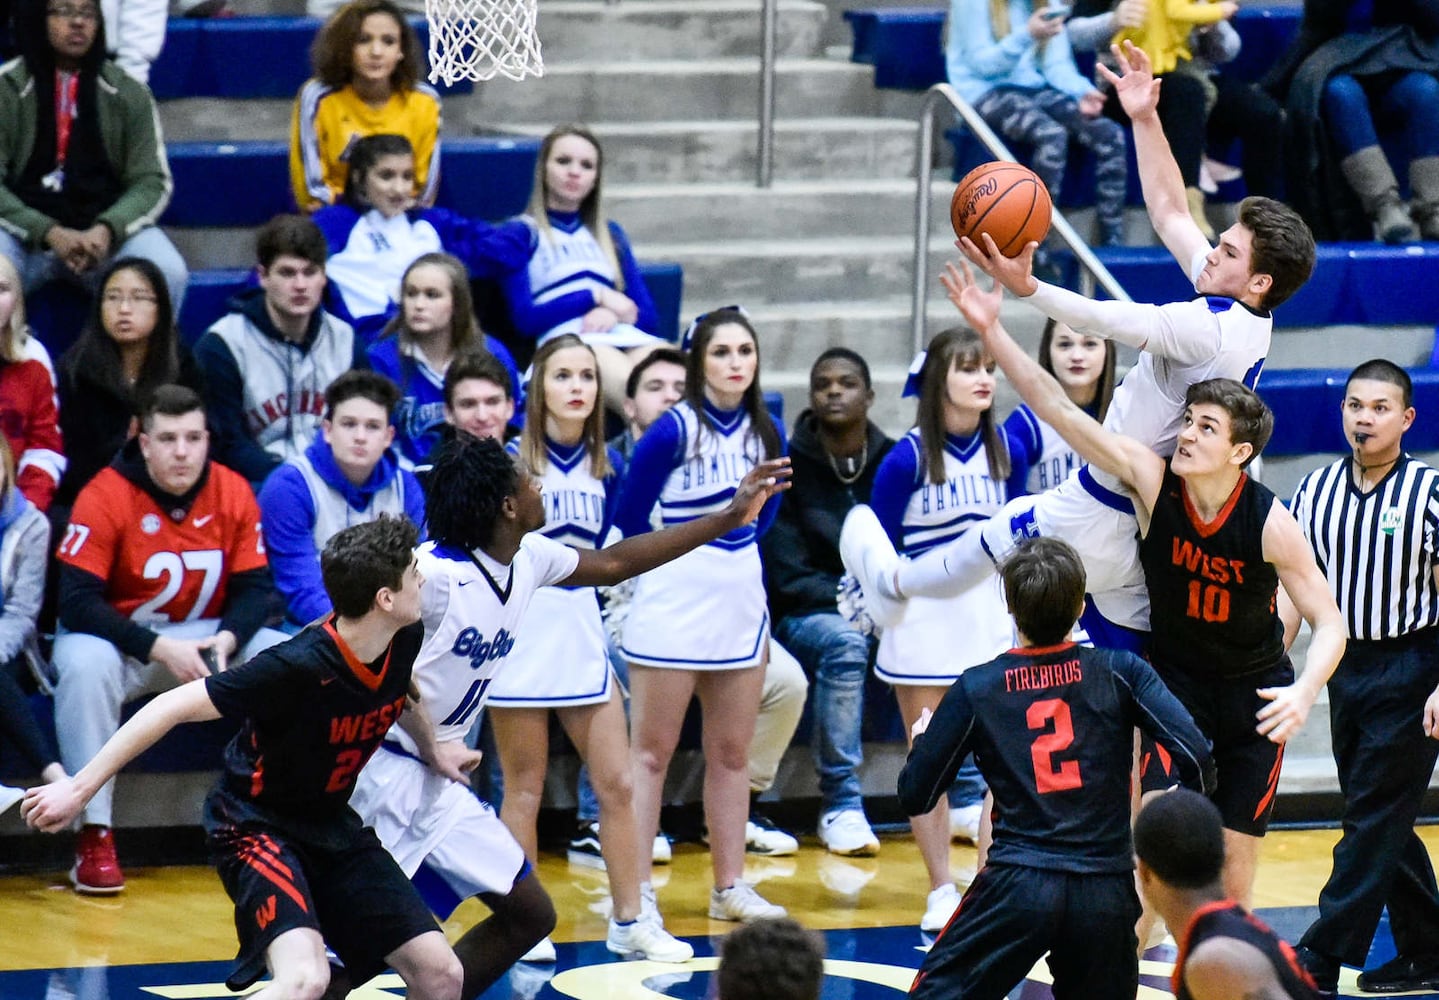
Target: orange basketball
(1005, 200)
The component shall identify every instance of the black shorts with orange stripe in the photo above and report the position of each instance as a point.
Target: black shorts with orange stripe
(1226, 710)
(355, 896)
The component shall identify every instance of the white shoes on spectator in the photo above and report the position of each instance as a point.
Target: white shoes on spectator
(542, 952)
(740, 902)
(869, 556)
(646, 938)
(9, 796)
(764, 838)
(846, 832)
(964, 823)
(939, 907)
(662, 853)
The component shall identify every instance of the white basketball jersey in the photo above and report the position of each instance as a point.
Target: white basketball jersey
(940, 512)
(472, 607)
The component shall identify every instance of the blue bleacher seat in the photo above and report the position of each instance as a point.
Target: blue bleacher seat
(1306, 404)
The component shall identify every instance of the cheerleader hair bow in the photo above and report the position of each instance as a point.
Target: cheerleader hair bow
(915, 379)
(689, 335)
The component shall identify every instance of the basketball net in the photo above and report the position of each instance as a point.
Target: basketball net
(482, 39)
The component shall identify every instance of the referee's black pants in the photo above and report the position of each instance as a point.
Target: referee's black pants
(1376, 711)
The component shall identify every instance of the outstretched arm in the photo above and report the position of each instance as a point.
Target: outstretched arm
(1159, 175)
(52, 807)
(451, 758)
(641, 553)
(1138, 467)
(1286, 549)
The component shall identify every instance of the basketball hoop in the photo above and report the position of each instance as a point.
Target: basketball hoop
(482, 39)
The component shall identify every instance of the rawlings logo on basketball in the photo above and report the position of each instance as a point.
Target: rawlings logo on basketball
(967, 208)
(470, 643)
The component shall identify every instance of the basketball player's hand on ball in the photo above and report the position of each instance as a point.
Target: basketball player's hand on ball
(1285, 714)
(759, 484)
(1014, 273)
(980, 308)
(1138, 90)
(51, 808)
(455, 760)
(1431, 715)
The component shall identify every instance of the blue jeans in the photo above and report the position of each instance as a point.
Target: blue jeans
(836, 656)
(36, 267)
(1409, 104)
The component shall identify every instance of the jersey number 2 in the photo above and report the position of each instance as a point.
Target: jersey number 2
(1051, 775)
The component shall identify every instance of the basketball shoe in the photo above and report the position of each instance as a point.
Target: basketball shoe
(97, 870)
(869, 556)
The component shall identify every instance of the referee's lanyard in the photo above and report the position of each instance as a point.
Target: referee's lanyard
(67, 93)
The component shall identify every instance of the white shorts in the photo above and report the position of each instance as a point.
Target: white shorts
(705, 610)
(940, 638)
(623, 336)
(560, 659)
(451, 844)
(1090, 518)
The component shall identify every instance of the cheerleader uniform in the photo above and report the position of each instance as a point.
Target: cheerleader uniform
(939, 637)
(1039, 458)
(705, 610)
(565, 663)
(567, 266)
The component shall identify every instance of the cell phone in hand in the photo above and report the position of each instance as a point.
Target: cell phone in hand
(211, 656)
(1055, 13)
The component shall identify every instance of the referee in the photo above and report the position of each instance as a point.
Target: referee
(1373, 520)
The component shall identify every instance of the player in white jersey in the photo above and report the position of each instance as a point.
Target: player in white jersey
(482, 569)
(700, 626)
(942, 479)
(1224, 333)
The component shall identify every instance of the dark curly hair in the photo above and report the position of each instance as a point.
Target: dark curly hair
(774, 959)
(332, 55)
(469, 480)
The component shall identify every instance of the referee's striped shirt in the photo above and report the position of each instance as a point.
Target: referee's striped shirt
(1378, 550)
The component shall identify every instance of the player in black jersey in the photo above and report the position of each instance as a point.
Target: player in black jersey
(1215, 546)
(1225, 952)
(302, 870)
(1051, 726)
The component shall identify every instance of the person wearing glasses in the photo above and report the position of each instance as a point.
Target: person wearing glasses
(84, 171)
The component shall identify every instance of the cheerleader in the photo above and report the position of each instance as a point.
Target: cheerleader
(565, 665)
(1084, 365)
(946, 474)
(699, 625)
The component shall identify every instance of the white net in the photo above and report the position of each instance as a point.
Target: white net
(482, 39)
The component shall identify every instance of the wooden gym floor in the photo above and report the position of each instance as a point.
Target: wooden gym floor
(170, 933)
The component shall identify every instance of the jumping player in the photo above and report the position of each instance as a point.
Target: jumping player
(1260, 262)
(1051, 725)
(482, 568)
(304, 872)
(1215, 545)
(1225, 952)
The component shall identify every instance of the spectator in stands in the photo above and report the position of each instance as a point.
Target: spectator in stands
(478, 396)
(580, 276)
(836, 450)
(28, 419)
(128, 349)
(774, 959)
(268, 360)
(376, 232)
(367, 80)
(1241, 111)
(1356, 68)
(347, 476)
(85, 173)
(436, 325)
(135, 33)
(656, 383)
(24, 543)
(1013, 62)
(163, 580)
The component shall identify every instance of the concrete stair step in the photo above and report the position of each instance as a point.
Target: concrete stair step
(572, 30)
(721, 150)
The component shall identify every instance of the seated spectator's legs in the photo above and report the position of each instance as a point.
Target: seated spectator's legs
(837, 656)
(152, 244)
(1105, 139)
(1347, 114)
(1411, 107)
(1025, 116)
(18, 723)
(1246, 112)
(34, 266)
(781, 704)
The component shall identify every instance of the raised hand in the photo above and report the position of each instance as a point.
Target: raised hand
(1014, 273)
(1138, 90)
(759, 484)
(980, 308)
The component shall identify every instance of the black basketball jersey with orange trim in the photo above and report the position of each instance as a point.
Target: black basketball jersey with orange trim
(1225, 918)
(1211, 593)
(1052, 730)
(313, 715)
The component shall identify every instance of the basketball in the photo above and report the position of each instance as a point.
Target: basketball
(1006, 200)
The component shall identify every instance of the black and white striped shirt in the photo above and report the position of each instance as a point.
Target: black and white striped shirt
(1378, 550)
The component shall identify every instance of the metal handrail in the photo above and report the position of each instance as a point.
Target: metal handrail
(769, 36)
(1091, 270)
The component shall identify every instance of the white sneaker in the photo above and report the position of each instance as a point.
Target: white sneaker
(846, 832)
(661, 853)
(764, 838)
(543, 951)
(9, 796)
(869, 556)
(964, 823)
(646, 938)
(939, 906)
(740, 902)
